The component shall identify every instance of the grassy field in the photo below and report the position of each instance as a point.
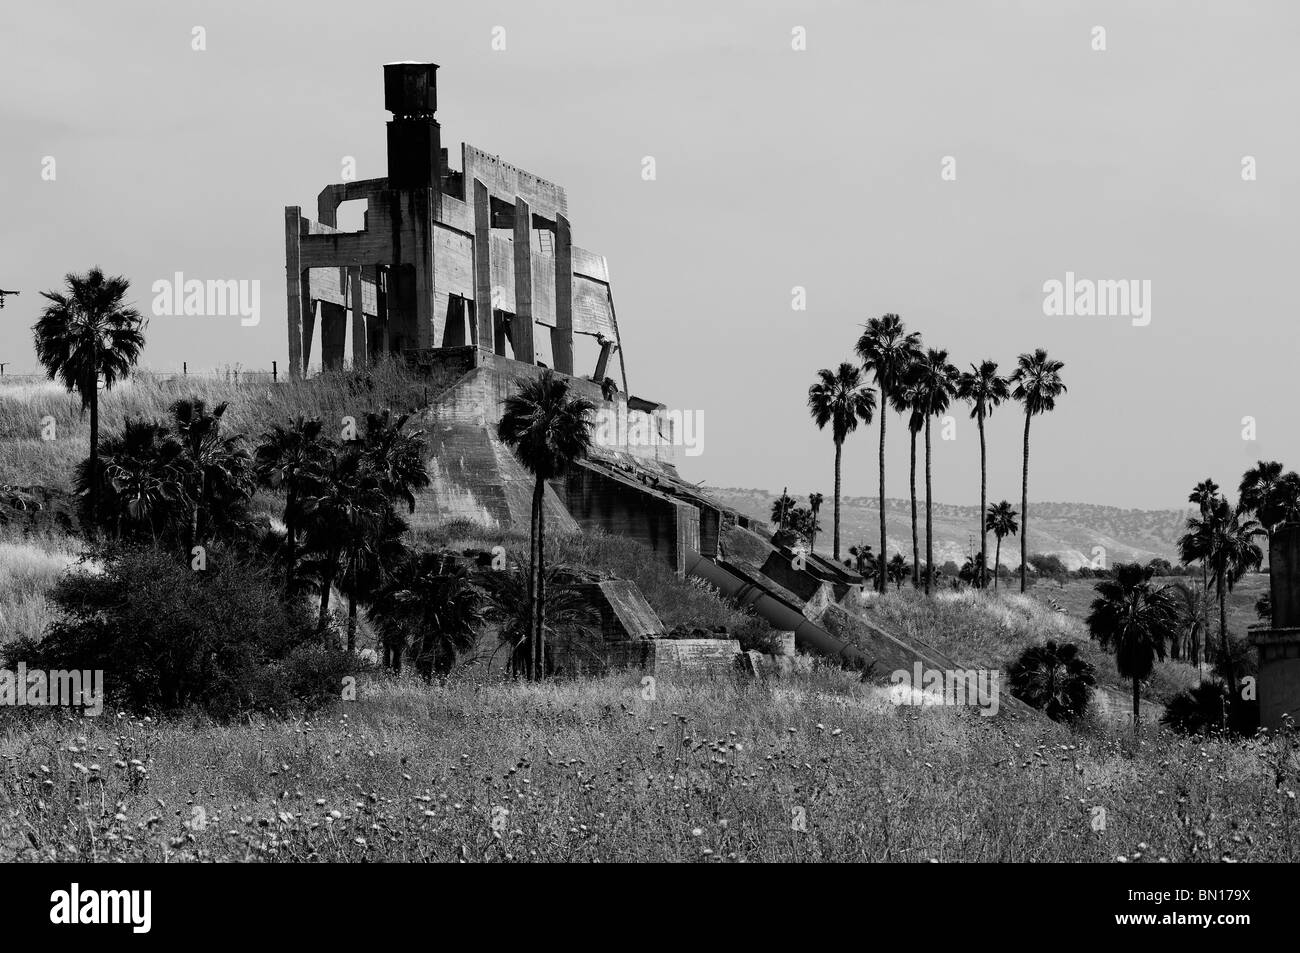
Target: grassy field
(814, 768)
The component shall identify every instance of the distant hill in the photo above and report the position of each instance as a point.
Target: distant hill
(1068, 530)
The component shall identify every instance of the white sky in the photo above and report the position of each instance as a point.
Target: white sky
(775, 168)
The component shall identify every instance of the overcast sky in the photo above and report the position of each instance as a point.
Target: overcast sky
(776, 168)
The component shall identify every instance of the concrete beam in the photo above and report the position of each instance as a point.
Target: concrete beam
(562, 333)
(293, 287)
(483, 336)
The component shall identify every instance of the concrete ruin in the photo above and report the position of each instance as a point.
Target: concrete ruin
(1278, 644)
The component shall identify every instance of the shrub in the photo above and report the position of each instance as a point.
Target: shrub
(1053, 678)
(1207, 708)
(224, 640)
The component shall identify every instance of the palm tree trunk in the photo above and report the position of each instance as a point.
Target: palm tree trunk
(532, 581)
(541, 583)
(290, 539)
(1024, 505)
(984, 553)
(997, 561)
(1137, 701)
(93, 509)
(1205, 614)
(1223, 632)
(839, 448)
(327, 582)
(881, 581)
(929, 529)
(916, 546)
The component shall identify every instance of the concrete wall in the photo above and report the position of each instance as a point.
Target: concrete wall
(599, 499)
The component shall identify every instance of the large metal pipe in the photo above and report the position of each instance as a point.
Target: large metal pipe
(781, 614)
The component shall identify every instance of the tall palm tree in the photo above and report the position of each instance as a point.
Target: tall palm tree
(366, 563)
(1225, 540)
(839, 399)
(1204, 496)
(937, 381)
(1271, 495)
(1133, 619)
(291, 458)
(983, 389)
(1038, 384)
(86, 334)
(343, 509)
(220, 474)
(909, 398)
(887, 349)
(814, 508)
(548, 429)
(1000, 521)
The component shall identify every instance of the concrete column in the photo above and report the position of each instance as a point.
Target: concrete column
(333, 334)
(425, 281)
(293, 286)
(483, 333)
(360, 352)
(377, 328)
(523, 330)
(562, 333)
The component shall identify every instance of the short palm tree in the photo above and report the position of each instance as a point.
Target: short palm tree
(898, 570)
(839, 400)
(219, 470)
(291, 457)
(85, 335)
(937, 382)
(1194, 613)
(142, 492)
(1224, 538)
(1038, 383)
(983, 389)
(1134, 620)
(1000, 521)
(887, 350)
(814, 508)
(862, 560)
(430, 605)
(548, 429)
(566, 611)
(396, 456)
(343, 509)
(1053, 678)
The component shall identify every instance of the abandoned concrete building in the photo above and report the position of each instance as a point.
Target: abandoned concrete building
(472, 276)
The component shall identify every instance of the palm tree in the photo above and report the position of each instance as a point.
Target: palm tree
(814, 507)
(839, 399)
(397, 457)
(937, 382)
(909, 398)
(1194, 613)
(1053, 678)
(142, 490)
(429, 602)
(291, 458)
(548, 429)
(220, 475)
(566, 610)
(87, 334)
(1225, 540)
(887, 349)
(1000, 521)
(1133, 619)
(342, 510)
(1271, 495)
(862, 559)
(898, 570)
(983, 389)
(367, 561)
(1204, 495)
(1038, 384)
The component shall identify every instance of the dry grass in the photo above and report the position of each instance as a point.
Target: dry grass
(715, 769)
(28, 569)
(25, 458)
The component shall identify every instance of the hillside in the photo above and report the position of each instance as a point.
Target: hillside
(1068, 530)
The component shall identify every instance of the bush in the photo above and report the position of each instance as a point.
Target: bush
(224, 640)
(1053, 678)
(1207, 709)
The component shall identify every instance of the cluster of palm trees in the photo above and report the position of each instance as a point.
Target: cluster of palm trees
(187, 482)
(920, 382)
